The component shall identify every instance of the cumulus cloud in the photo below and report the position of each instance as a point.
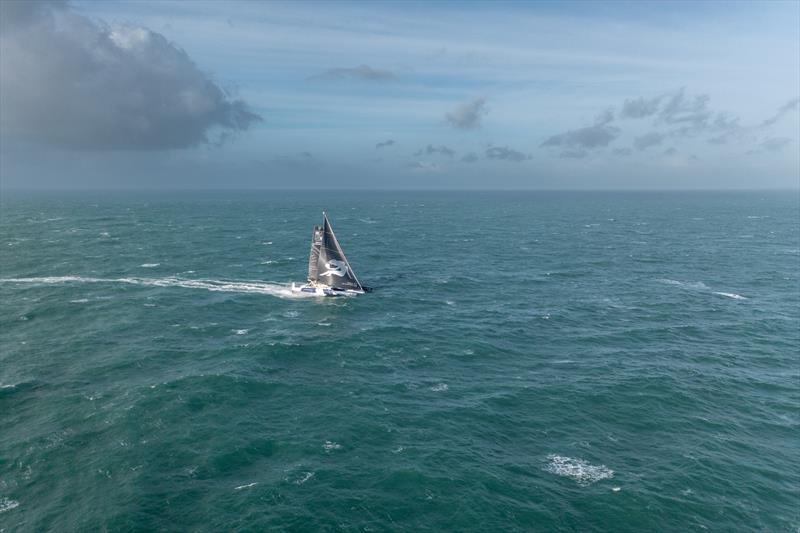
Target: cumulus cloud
(433, 150)
(791, 105)
(71, 82)
(648, 139)
(388, 142)
(590, 137)
(471, 157)
(361, 73)
(505, 154)
(468, 115)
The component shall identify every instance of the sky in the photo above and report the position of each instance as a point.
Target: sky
(399, 95)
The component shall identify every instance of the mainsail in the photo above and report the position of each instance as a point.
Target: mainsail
(327, 263)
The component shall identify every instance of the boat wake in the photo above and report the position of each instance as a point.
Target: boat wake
(246, 287)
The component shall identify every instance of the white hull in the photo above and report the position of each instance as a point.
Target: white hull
(323, 290)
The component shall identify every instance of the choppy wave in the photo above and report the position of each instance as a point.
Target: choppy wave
(697, 285)
(579, 470)
(247, 287)
(731, 295)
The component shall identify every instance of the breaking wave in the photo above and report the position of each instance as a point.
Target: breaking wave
(247, 287)
(579, 470)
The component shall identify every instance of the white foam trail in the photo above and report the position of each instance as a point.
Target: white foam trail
(732, 295)
(247, 287)
(149, 265)
(240, 487)
(581, 471)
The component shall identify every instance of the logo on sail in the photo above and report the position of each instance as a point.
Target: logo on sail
(335, 268)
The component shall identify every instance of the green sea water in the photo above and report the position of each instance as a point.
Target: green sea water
(527, 362)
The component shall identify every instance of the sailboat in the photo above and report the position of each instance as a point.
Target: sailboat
(329, 272)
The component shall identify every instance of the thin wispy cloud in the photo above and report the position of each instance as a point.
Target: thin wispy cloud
(70, 82)
(384, 144)
(783, 110)
(647, 140)
(434, 150)
(360, 73)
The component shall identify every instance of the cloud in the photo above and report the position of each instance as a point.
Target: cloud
(70, 82)
(506, 154)
(782, 110)
(670, 151)
(468, 115)
(471, 157)
(622, 152)
(693, 112)
(773, 144)
(388, 142)
(425, 167)
(640, 107)
(302, 160)
(648, 139)
(590, 137)
(432, 150)
(605, 117)
(361, 73)
(574, 154)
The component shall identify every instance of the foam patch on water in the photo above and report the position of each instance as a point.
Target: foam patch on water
(440, 387)
(241, 331)
(149, 265)
(7, 504)
(330, 446)
(732, 295)
(697, 285)
(579, 470)
(240, 487)
(246, 287)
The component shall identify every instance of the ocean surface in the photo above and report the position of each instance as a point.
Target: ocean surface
(534, 361)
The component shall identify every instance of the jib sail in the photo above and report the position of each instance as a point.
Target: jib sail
(327, 263)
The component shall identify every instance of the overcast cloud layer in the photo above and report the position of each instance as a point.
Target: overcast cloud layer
(445, 95)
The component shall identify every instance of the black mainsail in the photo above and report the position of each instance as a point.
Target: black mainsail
(327, 263)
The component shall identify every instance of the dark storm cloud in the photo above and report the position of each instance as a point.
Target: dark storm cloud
(383, 144)
(433, 150)
(782, 110)
(590, 137)
(647, 140)
(70, 82)
(471, 157)
(361, 72)
(505, 154)
(468, 115)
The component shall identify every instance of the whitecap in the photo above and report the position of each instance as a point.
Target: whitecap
(7, 504)
(240, 487)
(306, 477)
(582, 472)
(149, 265)
(698, 285)
(79, 301)
(329, 446)
(440, 387)
(241, 331)
(732, 295)
(449, 302)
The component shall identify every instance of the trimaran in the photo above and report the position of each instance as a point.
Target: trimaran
(329, 272)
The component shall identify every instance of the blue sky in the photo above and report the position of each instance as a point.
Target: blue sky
(431, 95)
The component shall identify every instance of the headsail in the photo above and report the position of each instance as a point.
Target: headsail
(327, 263)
